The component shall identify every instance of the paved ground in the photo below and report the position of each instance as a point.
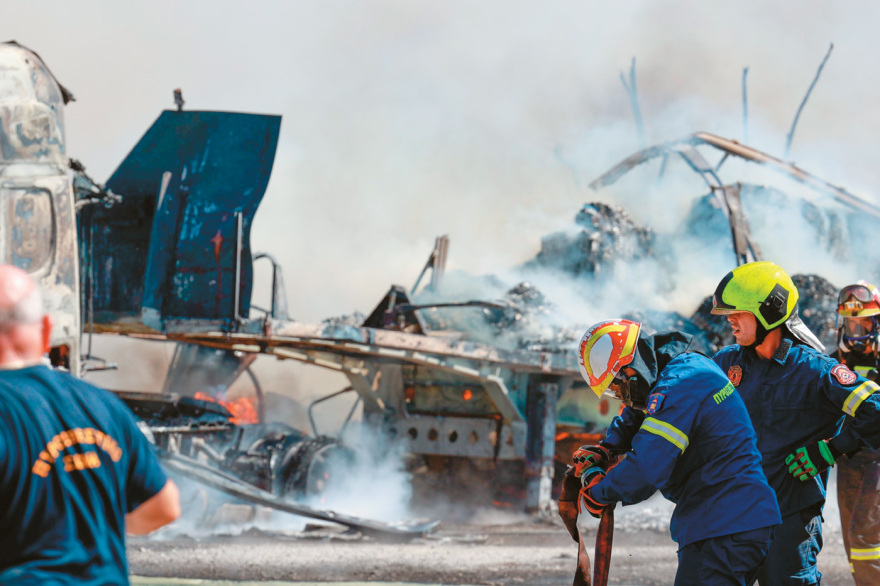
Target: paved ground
(490, 548)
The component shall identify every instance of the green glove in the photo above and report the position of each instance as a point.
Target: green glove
(810, 460)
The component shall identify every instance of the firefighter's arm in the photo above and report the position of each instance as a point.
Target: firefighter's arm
(661, 440)
(862, 403)
(857, 397)
(158, 510)
(623, 428)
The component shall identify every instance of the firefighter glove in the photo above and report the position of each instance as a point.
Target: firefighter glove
(589, 456)
(568, 497)
(810, 460)
(592, 477)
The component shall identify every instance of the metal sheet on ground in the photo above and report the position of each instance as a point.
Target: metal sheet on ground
(148, 581)
(233, 486)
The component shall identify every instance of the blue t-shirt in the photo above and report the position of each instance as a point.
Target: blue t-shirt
(696, 445)
(74, 464)
(796, 397)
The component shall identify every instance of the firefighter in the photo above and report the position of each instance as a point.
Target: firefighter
(686, 433)
(858, 477)
(797, 398)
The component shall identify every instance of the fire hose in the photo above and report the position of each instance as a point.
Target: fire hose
(601, 555)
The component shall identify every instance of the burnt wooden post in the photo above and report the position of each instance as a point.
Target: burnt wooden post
(540, 444)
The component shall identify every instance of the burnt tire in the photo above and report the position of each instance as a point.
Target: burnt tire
(311, 467)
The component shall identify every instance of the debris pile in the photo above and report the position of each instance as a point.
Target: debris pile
(654, 321)
(606, 235)
(524, 322)
(768, 209)
(818, 307)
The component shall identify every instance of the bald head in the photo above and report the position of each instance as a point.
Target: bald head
(20, 299)
(24, 327)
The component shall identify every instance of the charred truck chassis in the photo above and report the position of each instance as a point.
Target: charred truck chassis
(272, 457)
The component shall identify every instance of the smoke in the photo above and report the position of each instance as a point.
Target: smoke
(484, 121)
(375, 485)
(207, 513)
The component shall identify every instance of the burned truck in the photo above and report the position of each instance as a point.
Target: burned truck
(161, 251)
(52, 226)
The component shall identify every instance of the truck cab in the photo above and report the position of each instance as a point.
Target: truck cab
(36, 192)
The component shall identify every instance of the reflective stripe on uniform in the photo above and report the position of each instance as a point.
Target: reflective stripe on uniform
(862, 370)
(870, 553)
(861, 392)
(666, 431)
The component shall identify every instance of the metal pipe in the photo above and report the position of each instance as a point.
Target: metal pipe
(321, 400)
(745, 105)
(238, 238)
(272, 260)
(354, 405)
(797, 115)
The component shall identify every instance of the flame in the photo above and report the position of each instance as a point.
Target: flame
(243, 410)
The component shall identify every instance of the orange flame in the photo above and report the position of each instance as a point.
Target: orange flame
(243, 409)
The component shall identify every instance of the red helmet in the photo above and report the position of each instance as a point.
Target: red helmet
(607, 347)
(859, 300)
(859, 305)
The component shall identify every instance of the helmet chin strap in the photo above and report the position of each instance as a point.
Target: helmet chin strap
(638, 392)
(760, 335)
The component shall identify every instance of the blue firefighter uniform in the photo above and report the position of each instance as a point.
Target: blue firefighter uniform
(797, 397)
(696, 445)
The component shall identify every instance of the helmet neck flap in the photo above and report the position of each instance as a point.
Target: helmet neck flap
(653, 353)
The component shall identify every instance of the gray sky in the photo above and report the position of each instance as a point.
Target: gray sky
(404, 120)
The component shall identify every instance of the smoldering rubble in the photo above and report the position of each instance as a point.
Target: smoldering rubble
(604, 240)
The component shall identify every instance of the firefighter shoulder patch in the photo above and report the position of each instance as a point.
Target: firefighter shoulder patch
(655, 403)
(735, 374)
(844, 375)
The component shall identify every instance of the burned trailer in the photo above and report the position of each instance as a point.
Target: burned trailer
(172, 261)
(459, 404)
(169, 259)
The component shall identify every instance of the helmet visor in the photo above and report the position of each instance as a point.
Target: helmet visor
(859, 292)
(619, 388)
(858, 328)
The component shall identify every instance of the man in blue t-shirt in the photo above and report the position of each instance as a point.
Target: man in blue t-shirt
(77, 472)
(686, 433)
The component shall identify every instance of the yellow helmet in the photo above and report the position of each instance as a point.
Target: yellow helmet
(605, 348)
(762, 288)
